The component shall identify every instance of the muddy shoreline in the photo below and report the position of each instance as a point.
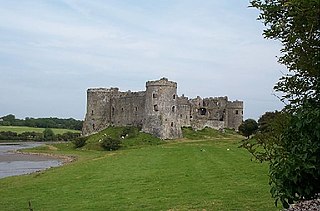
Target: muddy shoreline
(13, 161)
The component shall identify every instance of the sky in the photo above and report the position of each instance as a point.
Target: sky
(52, 51)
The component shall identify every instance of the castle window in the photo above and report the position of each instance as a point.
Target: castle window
(154, 95)
(121, 109)
(174, 96)
(136, 108)
(112, 111)
(237, 112)
(173, 108)
(190, 117)
(155, 108)
(92, 112)
(180, 115)
(171, 124)
(202, 111)
(93, 126)
(241, 112)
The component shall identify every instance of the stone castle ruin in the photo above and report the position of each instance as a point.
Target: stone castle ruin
(158, 110)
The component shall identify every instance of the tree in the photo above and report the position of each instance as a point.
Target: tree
(293, 151)
(48, 134)
(266, 119)
(248, 127)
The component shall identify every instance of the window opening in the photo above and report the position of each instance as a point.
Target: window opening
(237, 112)
(203, 111)
(173, 108)
(155, 108)
(171, 124)
(174, 96)
(154, 95)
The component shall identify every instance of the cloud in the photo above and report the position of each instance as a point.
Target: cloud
(60, 48)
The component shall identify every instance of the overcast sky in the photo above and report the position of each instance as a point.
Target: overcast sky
(52, 51)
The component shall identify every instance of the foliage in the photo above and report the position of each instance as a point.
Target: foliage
(35, 134)
(79, 142)
(48, 134)
(129, 132)
(293, 151)
(130, 137)
(248, 127)
(295, 23)
(266, 119)
(10, 120)
(207, 133)
(110, 144)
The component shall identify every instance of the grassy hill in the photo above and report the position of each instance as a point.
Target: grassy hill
(146, 174)
(21, 129)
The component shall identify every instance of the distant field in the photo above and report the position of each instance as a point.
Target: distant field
(180, 175)
(21, 129)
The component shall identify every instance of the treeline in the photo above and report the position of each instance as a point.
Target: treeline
(46, 135)
(52, 122)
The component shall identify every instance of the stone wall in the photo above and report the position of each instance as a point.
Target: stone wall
(158, 110)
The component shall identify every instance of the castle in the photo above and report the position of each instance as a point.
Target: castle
(158, 110)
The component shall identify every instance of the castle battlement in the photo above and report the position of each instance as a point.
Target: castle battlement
(158, 110)
(161, 82)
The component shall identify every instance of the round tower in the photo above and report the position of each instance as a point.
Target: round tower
(98, 114)
(161, 116)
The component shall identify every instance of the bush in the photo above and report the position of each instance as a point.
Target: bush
(79, 142)
(110, 144)
(129, 132)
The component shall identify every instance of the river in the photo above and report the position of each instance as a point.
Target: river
(17, 164)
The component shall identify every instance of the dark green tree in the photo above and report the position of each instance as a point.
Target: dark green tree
(293, 150)
(48, 134)
(248, 127)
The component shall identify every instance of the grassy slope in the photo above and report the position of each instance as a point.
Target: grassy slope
(21, 129)
(180, 175)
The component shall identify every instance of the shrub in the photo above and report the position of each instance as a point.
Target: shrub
(110, 144)
(79, 142)
(129, 132)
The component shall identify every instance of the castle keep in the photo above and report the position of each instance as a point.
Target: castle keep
(158, 110)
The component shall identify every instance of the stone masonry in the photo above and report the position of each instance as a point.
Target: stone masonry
(158, 110)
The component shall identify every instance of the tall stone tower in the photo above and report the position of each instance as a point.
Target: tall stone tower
(98, 114)
(161, 109)
(234, 114)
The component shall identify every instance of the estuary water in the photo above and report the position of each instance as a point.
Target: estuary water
(12, 163)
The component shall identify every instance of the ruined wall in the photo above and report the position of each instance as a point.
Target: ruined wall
(161, 116)
(184, 111)
(234, 114)
(98, 109)
(127, 108)
(158, 110)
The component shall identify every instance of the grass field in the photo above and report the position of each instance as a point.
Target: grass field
(21, 129)
(209, 174)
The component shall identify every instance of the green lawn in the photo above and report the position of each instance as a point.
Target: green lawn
(180, 175)
(21, 129)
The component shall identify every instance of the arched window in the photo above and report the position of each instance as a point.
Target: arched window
(174, 96)
(173, 108)
(171, 124)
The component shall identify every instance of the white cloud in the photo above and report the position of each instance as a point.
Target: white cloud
(208, 47)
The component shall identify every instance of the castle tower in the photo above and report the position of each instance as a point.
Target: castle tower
(234, 114)
(98, 114)
(161, 115)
